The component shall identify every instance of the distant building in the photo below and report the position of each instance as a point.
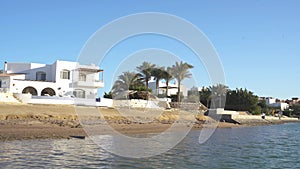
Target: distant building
(272, 102)
(172, 88)
(62, 78)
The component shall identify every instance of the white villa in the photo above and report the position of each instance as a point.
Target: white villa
(61, 79)
(172, 87)
(272, 103)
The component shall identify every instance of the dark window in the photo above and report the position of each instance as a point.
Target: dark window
(40, 76)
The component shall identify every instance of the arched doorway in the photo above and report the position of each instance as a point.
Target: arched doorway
(30, 90)
(48, 91)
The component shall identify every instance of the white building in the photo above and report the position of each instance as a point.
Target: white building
(172, 87)
(62, 78)
(272, 103)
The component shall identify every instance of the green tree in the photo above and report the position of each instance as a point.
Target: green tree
(193, 95)
(218, 93)
(295, 110)
(264, 107)
(205, 96)
(180, 71)
(126, 81)
(158, 74)
(242, 100)
(145, 70)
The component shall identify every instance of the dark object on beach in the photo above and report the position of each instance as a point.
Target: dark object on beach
(78, 137)
(263, 115)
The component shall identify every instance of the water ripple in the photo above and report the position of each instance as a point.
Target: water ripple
(254, 147)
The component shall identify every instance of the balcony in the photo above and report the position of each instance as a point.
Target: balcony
(88, 84)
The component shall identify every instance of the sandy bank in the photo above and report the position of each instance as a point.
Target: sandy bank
(25, 121)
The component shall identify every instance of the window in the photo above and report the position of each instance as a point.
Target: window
(65, 74)
(82, 77)
(40, 76)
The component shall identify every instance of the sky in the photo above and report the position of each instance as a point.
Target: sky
(257, 41)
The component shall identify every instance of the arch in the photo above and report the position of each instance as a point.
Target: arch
(48, 91)
(41, 76)
(30, 90)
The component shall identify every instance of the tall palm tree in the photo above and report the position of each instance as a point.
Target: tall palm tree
(125, 82)
(167, 75)
(181, 71)
(219, 91)
(158, 74)
(146, 69)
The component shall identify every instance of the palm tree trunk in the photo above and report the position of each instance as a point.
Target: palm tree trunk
(178, 93)
(146, 83)
(167, 85)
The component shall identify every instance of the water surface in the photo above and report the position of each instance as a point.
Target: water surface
(275, 146)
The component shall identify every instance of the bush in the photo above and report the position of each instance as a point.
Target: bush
(107, 95)
(287, 113)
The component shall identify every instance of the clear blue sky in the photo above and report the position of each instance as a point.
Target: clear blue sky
(258, 41)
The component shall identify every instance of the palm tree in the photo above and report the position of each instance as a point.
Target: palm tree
(146, 69)
(219, 91)
(158, 74)
(180, 71)
(168, 77)
(125, 82)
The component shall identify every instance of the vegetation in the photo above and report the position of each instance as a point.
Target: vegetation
(242, 100)
(193, 95)
(146, 71)
(126, 81)
(167, 76)
(264, 107)
(108, 95)
(295, 110)
(180, 71)
(218, 93)
(238, 99)
(135, 85)
(130, 82)
(158, 74)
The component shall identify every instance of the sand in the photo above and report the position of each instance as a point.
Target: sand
(27, 121)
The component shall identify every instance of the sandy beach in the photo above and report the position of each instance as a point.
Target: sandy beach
(26, 121)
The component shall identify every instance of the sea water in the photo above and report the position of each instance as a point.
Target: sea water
(274, 146)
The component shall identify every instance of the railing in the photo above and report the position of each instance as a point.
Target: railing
(93, 84)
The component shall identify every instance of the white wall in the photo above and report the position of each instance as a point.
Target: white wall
(17, 86)
(53, 79)
(270, 101)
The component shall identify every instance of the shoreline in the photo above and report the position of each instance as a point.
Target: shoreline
(23, 122)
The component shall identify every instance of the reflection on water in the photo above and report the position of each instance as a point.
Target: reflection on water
(255, 147)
